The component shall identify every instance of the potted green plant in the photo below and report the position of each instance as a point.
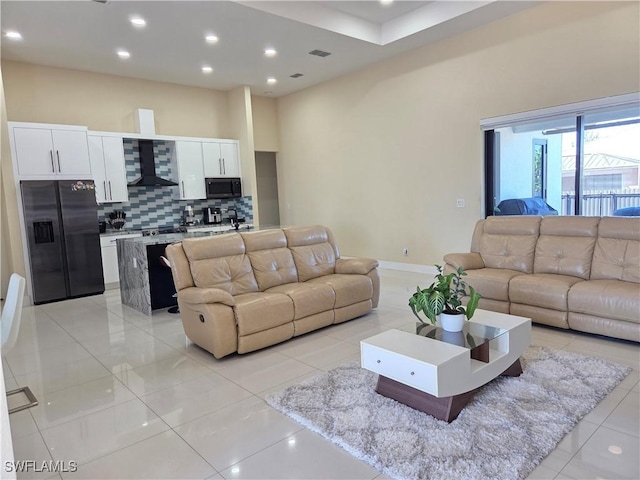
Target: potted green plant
(444, 297)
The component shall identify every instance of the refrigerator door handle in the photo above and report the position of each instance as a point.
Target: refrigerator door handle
(53, 167)
(58, 155)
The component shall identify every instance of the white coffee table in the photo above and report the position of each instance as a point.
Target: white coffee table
(439, 373)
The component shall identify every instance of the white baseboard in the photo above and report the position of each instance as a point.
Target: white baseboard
(409, 267)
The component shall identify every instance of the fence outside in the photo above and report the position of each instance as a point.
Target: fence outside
(601, 203)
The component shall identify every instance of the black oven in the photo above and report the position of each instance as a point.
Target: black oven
(223, 187)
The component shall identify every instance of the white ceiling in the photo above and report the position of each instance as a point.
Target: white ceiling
(85, 35)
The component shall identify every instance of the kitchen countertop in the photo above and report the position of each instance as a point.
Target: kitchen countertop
(189, 228)
(194, 232)
(113, 233)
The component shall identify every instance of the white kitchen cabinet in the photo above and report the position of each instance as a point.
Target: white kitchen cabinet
(106, 154)
(110, 256)
(221, 159)
(55, 152)
(188, 170)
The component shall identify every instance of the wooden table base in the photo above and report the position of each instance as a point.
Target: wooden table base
(444, 408)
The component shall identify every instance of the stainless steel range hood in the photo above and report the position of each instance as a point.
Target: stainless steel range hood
(148, 168)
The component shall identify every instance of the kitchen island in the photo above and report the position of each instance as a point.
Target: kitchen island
(145, 283)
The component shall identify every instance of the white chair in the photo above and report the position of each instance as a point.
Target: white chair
(10, 325)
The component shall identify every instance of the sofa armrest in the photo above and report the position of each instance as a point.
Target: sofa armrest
(468, 261)
(196, 295)
(360, 266)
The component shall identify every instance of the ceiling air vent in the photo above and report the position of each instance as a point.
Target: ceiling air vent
(319, 53)
(296, 75)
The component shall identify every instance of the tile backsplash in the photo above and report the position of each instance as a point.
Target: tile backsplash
(157, 207)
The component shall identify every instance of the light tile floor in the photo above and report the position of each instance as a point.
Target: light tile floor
(126, 396)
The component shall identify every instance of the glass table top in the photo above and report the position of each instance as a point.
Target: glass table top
(473, 334)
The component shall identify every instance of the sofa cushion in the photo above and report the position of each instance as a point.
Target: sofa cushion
(260, 311)
(271, 260)
(349, 289)
(507, 242)
(617, 251)
(606, 298)
(491, 283)
(314, 252)
(565, 246)
(308, 298)
(220, 262)
(273, 267)
(542, 290)
(232, 274)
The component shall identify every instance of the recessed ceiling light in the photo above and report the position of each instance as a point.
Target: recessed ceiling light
(386, 2)
(270, 52)
(210, 38)
(123, 54)
(271, 80)
(13, 35)
(207, 69)
(138, 22)
(615, 449)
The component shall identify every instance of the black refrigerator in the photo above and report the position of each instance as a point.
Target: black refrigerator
(61, 220)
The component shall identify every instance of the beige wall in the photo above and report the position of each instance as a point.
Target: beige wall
(10, 243)
(381, 155)
(107, 102)
(265, 123)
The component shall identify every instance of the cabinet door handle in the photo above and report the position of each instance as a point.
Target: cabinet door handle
(58, 155)
(53, 167)
(110, 192)
(224, 167)
(220, 166)
(182, 188)
(104, 184)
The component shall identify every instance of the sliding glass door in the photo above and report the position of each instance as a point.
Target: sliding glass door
(570, 165)
(611, 165)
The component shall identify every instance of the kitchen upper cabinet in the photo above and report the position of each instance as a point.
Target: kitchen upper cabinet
(188, 170)
(221, 159)
(106, 154)
(51, 152)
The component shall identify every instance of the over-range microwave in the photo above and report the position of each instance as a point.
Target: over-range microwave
(223, 187)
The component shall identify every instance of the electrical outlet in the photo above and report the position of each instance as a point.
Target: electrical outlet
(460, 203)
(405, 251)
(135, 263)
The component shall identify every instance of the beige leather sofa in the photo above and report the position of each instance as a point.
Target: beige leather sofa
(239, 292)
(581, 273)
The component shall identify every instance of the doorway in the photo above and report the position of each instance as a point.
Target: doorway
(267, 189)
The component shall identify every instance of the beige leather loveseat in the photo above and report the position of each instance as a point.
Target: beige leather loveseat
(581, 273)
(245, 291)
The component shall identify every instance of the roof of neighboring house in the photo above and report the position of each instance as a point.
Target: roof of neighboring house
(593, 161)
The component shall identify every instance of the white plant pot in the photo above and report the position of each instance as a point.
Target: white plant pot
(452, 323)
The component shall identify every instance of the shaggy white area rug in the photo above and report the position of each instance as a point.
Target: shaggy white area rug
(506, 430)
